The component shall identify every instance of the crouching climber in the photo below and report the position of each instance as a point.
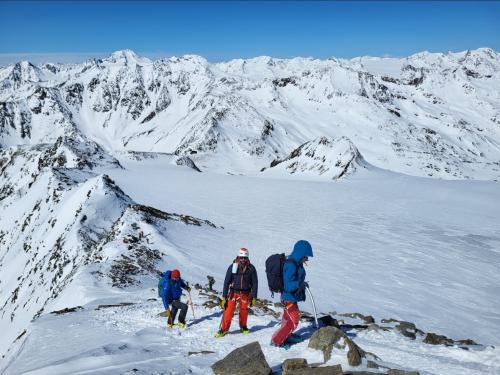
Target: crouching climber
(170, 290)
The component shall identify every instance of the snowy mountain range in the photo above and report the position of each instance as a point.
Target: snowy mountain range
(101, 190)
(429, 114)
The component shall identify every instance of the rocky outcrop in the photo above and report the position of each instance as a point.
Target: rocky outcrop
(407, 329)
(292, 364)
(435, 339)
(187, 162)
(402, 372)
(326, 338)
(366, 318)
(325, 370)
(328, 320)
(323, 157)
(404, 328)
(246, 360)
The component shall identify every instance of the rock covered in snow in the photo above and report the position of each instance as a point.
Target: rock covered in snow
(186, 161)
(75, 151)
(328, 158)
(140, 254)
(326, 338)
(183, 161)
(407, 329)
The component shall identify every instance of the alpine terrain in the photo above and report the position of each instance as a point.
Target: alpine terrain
(115, 170)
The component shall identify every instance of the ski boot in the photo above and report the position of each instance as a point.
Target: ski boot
(220, 333)
(244, 330)
(294, 339)
(282, 346)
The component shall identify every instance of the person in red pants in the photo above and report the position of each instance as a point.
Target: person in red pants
(240, 288)
(294, 286)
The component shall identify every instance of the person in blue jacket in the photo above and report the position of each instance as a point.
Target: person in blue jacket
(170, 290)
(294, 290)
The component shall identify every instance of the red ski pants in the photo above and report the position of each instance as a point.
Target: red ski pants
(289, 322)
(235, 298)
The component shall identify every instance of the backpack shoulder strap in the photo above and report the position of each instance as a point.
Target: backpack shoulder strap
(294, 262)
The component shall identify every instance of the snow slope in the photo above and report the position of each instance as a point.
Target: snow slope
(376, 235)
(133, 339)
(385, 244)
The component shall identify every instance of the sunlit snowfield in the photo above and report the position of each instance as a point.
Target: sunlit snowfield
(385, 244)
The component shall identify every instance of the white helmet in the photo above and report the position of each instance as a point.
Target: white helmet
(243, 253)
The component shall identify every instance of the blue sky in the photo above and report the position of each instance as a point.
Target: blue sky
(224, 30)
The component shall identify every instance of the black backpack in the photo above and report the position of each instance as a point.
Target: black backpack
(274, 272)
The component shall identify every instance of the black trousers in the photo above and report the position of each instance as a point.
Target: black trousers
(177, 305)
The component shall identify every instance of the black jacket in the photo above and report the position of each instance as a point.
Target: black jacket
(244, 280)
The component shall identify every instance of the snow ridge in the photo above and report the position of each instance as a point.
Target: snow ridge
(329, 158)
(60, 213)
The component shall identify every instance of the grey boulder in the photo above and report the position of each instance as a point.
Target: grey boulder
(246, 360)
(326, 338)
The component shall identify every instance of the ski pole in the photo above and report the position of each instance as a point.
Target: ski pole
(314, 306)
(191, 303)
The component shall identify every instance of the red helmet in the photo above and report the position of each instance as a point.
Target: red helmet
(175, 274)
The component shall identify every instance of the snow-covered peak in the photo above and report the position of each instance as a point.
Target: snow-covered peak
(327, 158)
(264, 107)
(26, 71)
(20, 74)
(127, 57)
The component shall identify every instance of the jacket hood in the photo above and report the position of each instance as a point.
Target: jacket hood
(301, 249)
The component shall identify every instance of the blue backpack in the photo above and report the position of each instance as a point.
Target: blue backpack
(162, 283)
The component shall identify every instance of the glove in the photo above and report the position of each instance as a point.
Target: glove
(223, 303)
(302, 287)
(188, 289)
(167, 313)
(253, 302)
